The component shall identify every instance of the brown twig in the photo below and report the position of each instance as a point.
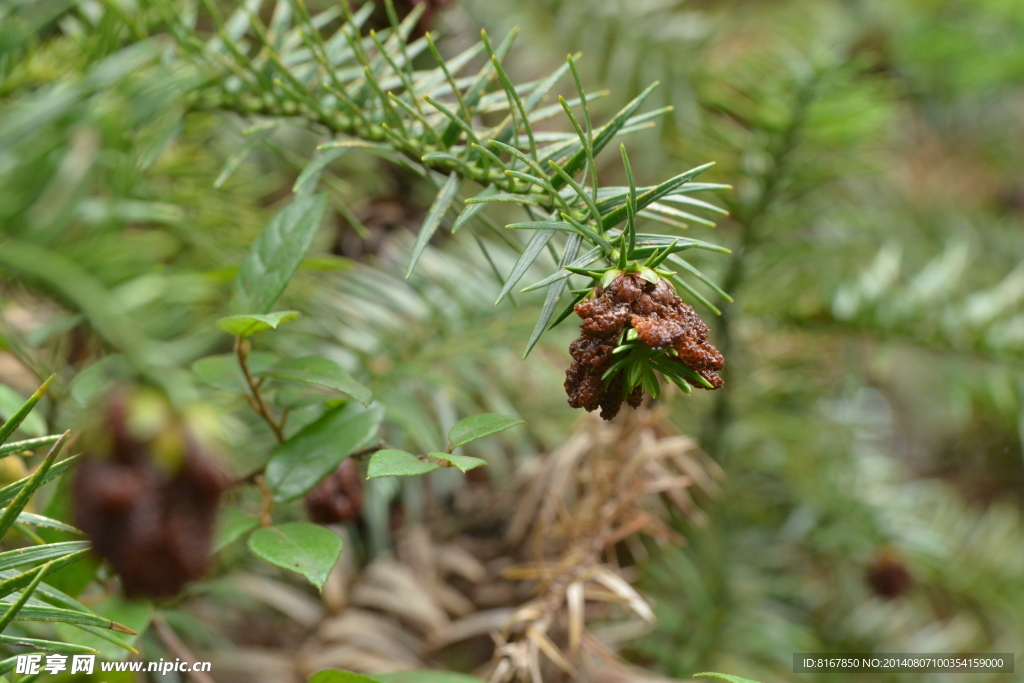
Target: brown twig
(171, 641)
(256, 399)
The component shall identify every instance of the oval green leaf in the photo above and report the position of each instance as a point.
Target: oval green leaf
(307, 549)
(301, 462)
(319, 371)
(463, 462)
(477, 426)
(277, 252)
(394, 463)
(251, 323)
(232, 525)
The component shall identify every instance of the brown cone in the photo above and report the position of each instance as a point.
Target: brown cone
(661, 320)
(153, 522)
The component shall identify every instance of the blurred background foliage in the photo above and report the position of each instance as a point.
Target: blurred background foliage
(872, 422)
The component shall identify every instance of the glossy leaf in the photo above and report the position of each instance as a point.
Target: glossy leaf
(307, 549)
(465, 463)
(298, 464)
(394, 463)
(251, 323)
(320, 371)
(277, 253)
(478, 426)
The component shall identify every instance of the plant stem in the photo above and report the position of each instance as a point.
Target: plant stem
(257, 402)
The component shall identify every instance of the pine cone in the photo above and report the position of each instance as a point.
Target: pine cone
(147, 498)
(661, 320)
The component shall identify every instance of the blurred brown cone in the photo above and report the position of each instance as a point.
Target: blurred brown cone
(146, 495)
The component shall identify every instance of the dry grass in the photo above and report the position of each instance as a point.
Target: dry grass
(535, 584)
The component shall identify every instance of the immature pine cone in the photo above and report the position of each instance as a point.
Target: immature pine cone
(146, 495)
(661, 320)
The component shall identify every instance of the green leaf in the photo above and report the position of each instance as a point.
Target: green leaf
(45, 522)
(472, 209)
(613, 217)
(14, 581)
(534, 247)
(277, 253)
(603, 135)
(251, 323)
(67, 616)
(45, 645)
(135, 614)
(394, 463)
(11, 402)
(11, 512)
(319, 371)
(464, 462)
(18, 415)
(307, 549)
(478, 426)
(547, 311)
(301, 462)
(232, 525)
(339, 676)
(310, 175)
(425, 677)
(434, 217)
(40, 553)
(724, 677)
(9, 492)
(222, 372)
(28, 444)
(14, 608)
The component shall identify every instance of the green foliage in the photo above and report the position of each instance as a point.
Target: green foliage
(394, 463)
(249, 324)
(24, 596)
(476, 427)
(306, 549)
(276, 254)
(321, 372)
(299, 463)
